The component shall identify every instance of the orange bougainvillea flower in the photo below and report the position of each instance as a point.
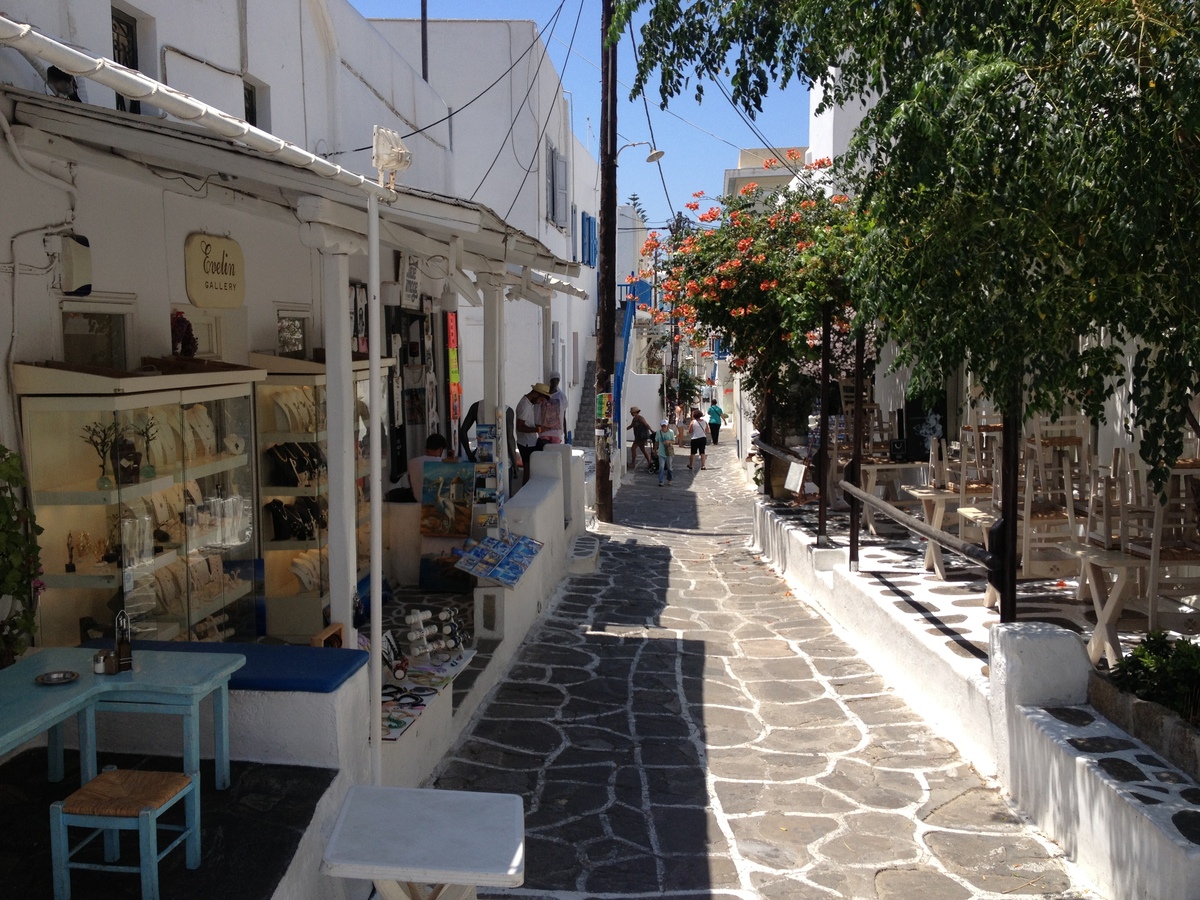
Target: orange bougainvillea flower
(692, 288)
(770, 163)
(710, 280)
(808, 204)
(698, 194)
(727, 284)
(745, 244)
(839, 198)
(711, 214)
(692, 205)
(760, 258)
(793, 154)
(769, 285)
(794, 218)
(787, 337)
(748, 188)
(803, 245)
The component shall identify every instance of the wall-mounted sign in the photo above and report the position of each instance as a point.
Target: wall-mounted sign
(214, 271)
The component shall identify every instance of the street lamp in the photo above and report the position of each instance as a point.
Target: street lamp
(655, 153)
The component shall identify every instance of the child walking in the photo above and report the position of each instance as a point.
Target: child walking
(664, 441)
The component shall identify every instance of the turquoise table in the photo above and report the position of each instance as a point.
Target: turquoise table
(162, 682)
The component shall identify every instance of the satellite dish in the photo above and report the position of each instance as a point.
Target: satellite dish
(388, 153)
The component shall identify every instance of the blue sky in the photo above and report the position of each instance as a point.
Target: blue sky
(700, 140)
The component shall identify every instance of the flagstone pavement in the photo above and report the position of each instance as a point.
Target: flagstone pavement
(680, 725)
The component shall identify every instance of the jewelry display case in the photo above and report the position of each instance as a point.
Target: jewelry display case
(290, 411)
(143, 486)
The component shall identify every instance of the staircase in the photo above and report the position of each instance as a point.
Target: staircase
(585, 421)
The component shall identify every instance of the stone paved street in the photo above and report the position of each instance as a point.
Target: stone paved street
(681, 725)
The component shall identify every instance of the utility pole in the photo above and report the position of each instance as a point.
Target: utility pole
(425, 41)
(606, 264)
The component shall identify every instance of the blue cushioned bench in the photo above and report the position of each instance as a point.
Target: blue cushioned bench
(270, 667)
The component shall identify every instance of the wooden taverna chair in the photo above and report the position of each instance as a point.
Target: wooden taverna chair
(125, 800)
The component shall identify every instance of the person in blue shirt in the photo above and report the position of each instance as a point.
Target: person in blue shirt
(716, 416)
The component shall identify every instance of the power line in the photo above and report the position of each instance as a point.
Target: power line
(517, 112)
(667, 110)
(653, 142)
(549, 113)
(779, 157)
(455, 112)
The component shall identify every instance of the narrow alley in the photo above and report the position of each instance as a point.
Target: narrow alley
(681, 725)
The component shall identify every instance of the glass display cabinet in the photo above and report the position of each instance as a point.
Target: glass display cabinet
(143, 486)
(293, 448)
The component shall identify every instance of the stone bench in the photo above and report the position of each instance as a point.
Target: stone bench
(288, 705)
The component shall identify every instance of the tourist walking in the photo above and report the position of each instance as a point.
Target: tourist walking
(642, 434)
(716, 416)
(664, 442)
(698, 434)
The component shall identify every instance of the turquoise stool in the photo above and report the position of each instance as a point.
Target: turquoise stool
(123, 800)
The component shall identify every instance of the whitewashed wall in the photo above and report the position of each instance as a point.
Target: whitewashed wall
(515, 186)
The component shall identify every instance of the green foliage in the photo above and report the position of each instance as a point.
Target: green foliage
(1165, 672)
(689, 389)
(762, 270)
(20, 560)
(1033, 169)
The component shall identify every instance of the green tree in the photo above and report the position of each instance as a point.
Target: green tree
(1032, 168)
(761, 270)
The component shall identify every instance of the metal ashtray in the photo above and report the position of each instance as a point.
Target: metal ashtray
(60, 676)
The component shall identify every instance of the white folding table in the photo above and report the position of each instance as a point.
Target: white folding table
(426, 844)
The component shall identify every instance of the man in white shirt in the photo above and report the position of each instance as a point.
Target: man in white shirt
(529, 427)
(553, 413)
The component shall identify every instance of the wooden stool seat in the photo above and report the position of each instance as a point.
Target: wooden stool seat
(119, 800)
(125, 793)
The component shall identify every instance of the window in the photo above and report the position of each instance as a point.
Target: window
(250, 98)
(125, 52)
(558, 193)
(589, 240)
(256, 100)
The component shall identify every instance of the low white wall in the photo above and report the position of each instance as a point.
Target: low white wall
(864, 612)
(998, 722)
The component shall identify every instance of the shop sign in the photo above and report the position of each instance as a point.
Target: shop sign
(214, 271)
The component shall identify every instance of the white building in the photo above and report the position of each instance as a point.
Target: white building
(106, 199)
(515, 151)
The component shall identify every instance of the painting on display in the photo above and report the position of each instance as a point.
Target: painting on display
(447, 494)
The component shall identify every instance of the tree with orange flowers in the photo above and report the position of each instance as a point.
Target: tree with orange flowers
(760, 270)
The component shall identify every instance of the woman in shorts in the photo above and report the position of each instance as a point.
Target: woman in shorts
(699, 436)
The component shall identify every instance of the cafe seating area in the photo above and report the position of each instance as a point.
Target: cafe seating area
(1092, 518)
